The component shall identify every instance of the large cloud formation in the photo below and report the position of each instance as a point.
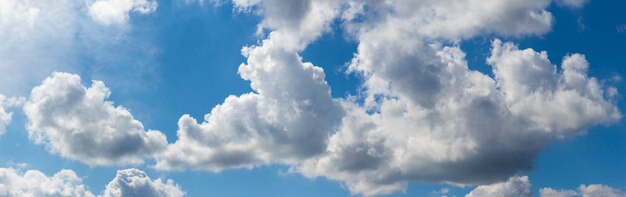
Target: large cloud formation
(287, 119)
(422, 114)
(79, 123)
(127, 183)
(471, 130)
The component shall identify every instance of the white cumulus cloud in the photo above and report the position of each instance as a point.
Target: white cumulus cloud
(469, 128)
(514, 187)
(593, 190)
(78, 122)
(286, 119)
(562, 103)
(36, 183)
(517, 186)
(134, 182)
(422, 114)
(428, 117)
(127, 183)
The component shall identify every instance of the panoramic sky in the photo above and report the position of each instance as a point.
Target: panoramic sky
(312, 98)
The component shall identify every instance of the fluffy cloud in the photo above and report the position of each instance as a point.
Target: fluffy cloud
(79, 123)
(514, 187)
(110, 12)
(597, 190)
(447, 19)
(36, 183)
(288, 118)
(469, 128)
(127, 183)
(520, 187)
(561, 103)
(428, 117)
(424, 114)
(593, 190)
(134, 182)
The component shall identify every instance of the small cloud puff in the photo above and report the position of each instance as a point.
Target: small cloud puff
(127, 183)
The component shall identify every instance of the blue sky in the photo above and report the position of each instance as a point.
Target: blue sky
(184, 57)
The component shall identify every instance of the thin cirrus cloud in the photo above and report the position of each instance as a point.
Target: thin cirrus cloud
(574, 4)
(127, 183)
